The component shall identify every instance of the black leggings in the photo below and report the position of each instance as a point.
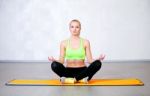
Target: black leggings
(77, 73)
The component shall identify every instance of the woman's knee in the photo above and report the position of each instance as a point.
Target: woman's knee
(55, 65)
(97, 64)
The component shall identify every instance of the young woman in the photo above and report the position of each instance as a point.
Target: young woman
(74, 50)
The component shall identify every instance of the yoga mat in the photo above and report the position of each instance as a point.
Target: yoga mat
(93, 82)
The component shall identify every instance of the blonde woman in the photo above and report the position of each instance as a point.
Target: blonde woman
(74, 50)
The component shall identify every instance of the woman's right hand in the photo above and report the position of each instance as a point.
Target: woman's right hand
(51, 58)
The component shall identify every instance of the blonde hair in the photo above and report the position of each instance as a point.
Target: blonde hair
(75, 20)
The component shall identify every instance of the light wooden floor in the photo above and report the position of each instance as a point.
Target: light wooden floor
(140, 70)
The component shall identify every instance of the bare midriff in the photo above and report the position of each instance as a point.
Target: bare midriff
(75, 63)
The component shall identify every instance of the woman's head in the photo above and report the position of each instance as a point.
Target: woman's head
(75, 27)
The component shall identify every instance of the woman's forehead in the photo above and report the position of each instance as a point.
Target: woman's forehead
(75, 23)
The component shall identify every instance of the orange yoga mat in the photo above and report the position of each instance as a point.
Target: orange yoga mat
(93, 82)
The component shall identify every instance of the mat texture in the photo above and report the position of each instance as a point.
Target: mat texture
(93, 82)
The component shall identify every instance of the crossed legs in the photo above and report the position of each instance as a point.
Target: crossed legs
(77, 73)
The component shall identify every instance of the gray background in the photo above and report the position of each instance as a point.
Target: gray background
(33, 29)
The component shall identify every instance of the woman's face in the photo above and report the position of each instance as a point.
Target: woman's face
(75, 28)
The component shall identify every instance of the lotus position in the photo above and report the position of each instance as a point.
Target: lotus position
(74, 50)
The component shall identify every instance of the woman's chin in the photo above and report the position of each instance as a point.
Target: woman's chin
(76, 34)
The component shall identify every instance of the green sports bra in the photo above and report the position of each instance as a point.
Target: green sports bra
(75, 54)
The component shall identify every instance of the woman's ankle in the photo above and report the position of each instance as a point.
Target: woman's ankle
(67, 80)
(84, 80)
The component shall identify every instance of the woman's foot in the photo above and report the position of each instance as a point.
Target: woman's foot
(84, 80)
(67, 80)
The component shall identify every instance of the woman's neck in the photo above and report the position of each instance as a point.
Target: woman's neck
(75, 37)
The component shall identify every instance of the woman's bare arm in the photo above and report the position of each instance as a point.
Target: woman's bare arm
(88, 51)
(62, 52)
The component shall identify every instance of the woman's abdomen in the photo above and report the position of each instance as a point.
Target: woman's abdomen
(75, 63)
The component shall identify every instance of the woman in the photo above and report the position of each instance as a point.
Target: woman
(74, 50)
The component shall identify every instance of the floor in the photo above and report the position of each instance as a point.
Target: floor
(39, 70)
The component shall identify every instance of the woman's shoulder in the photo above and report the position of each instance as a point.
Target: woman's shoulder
(64, 42)
(86, 41)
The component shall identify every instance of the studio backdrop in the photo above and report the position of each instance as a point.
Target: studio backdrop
(33, 29)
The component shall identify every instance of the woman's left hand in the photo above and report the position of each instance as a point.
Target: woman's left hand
(101, 57)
